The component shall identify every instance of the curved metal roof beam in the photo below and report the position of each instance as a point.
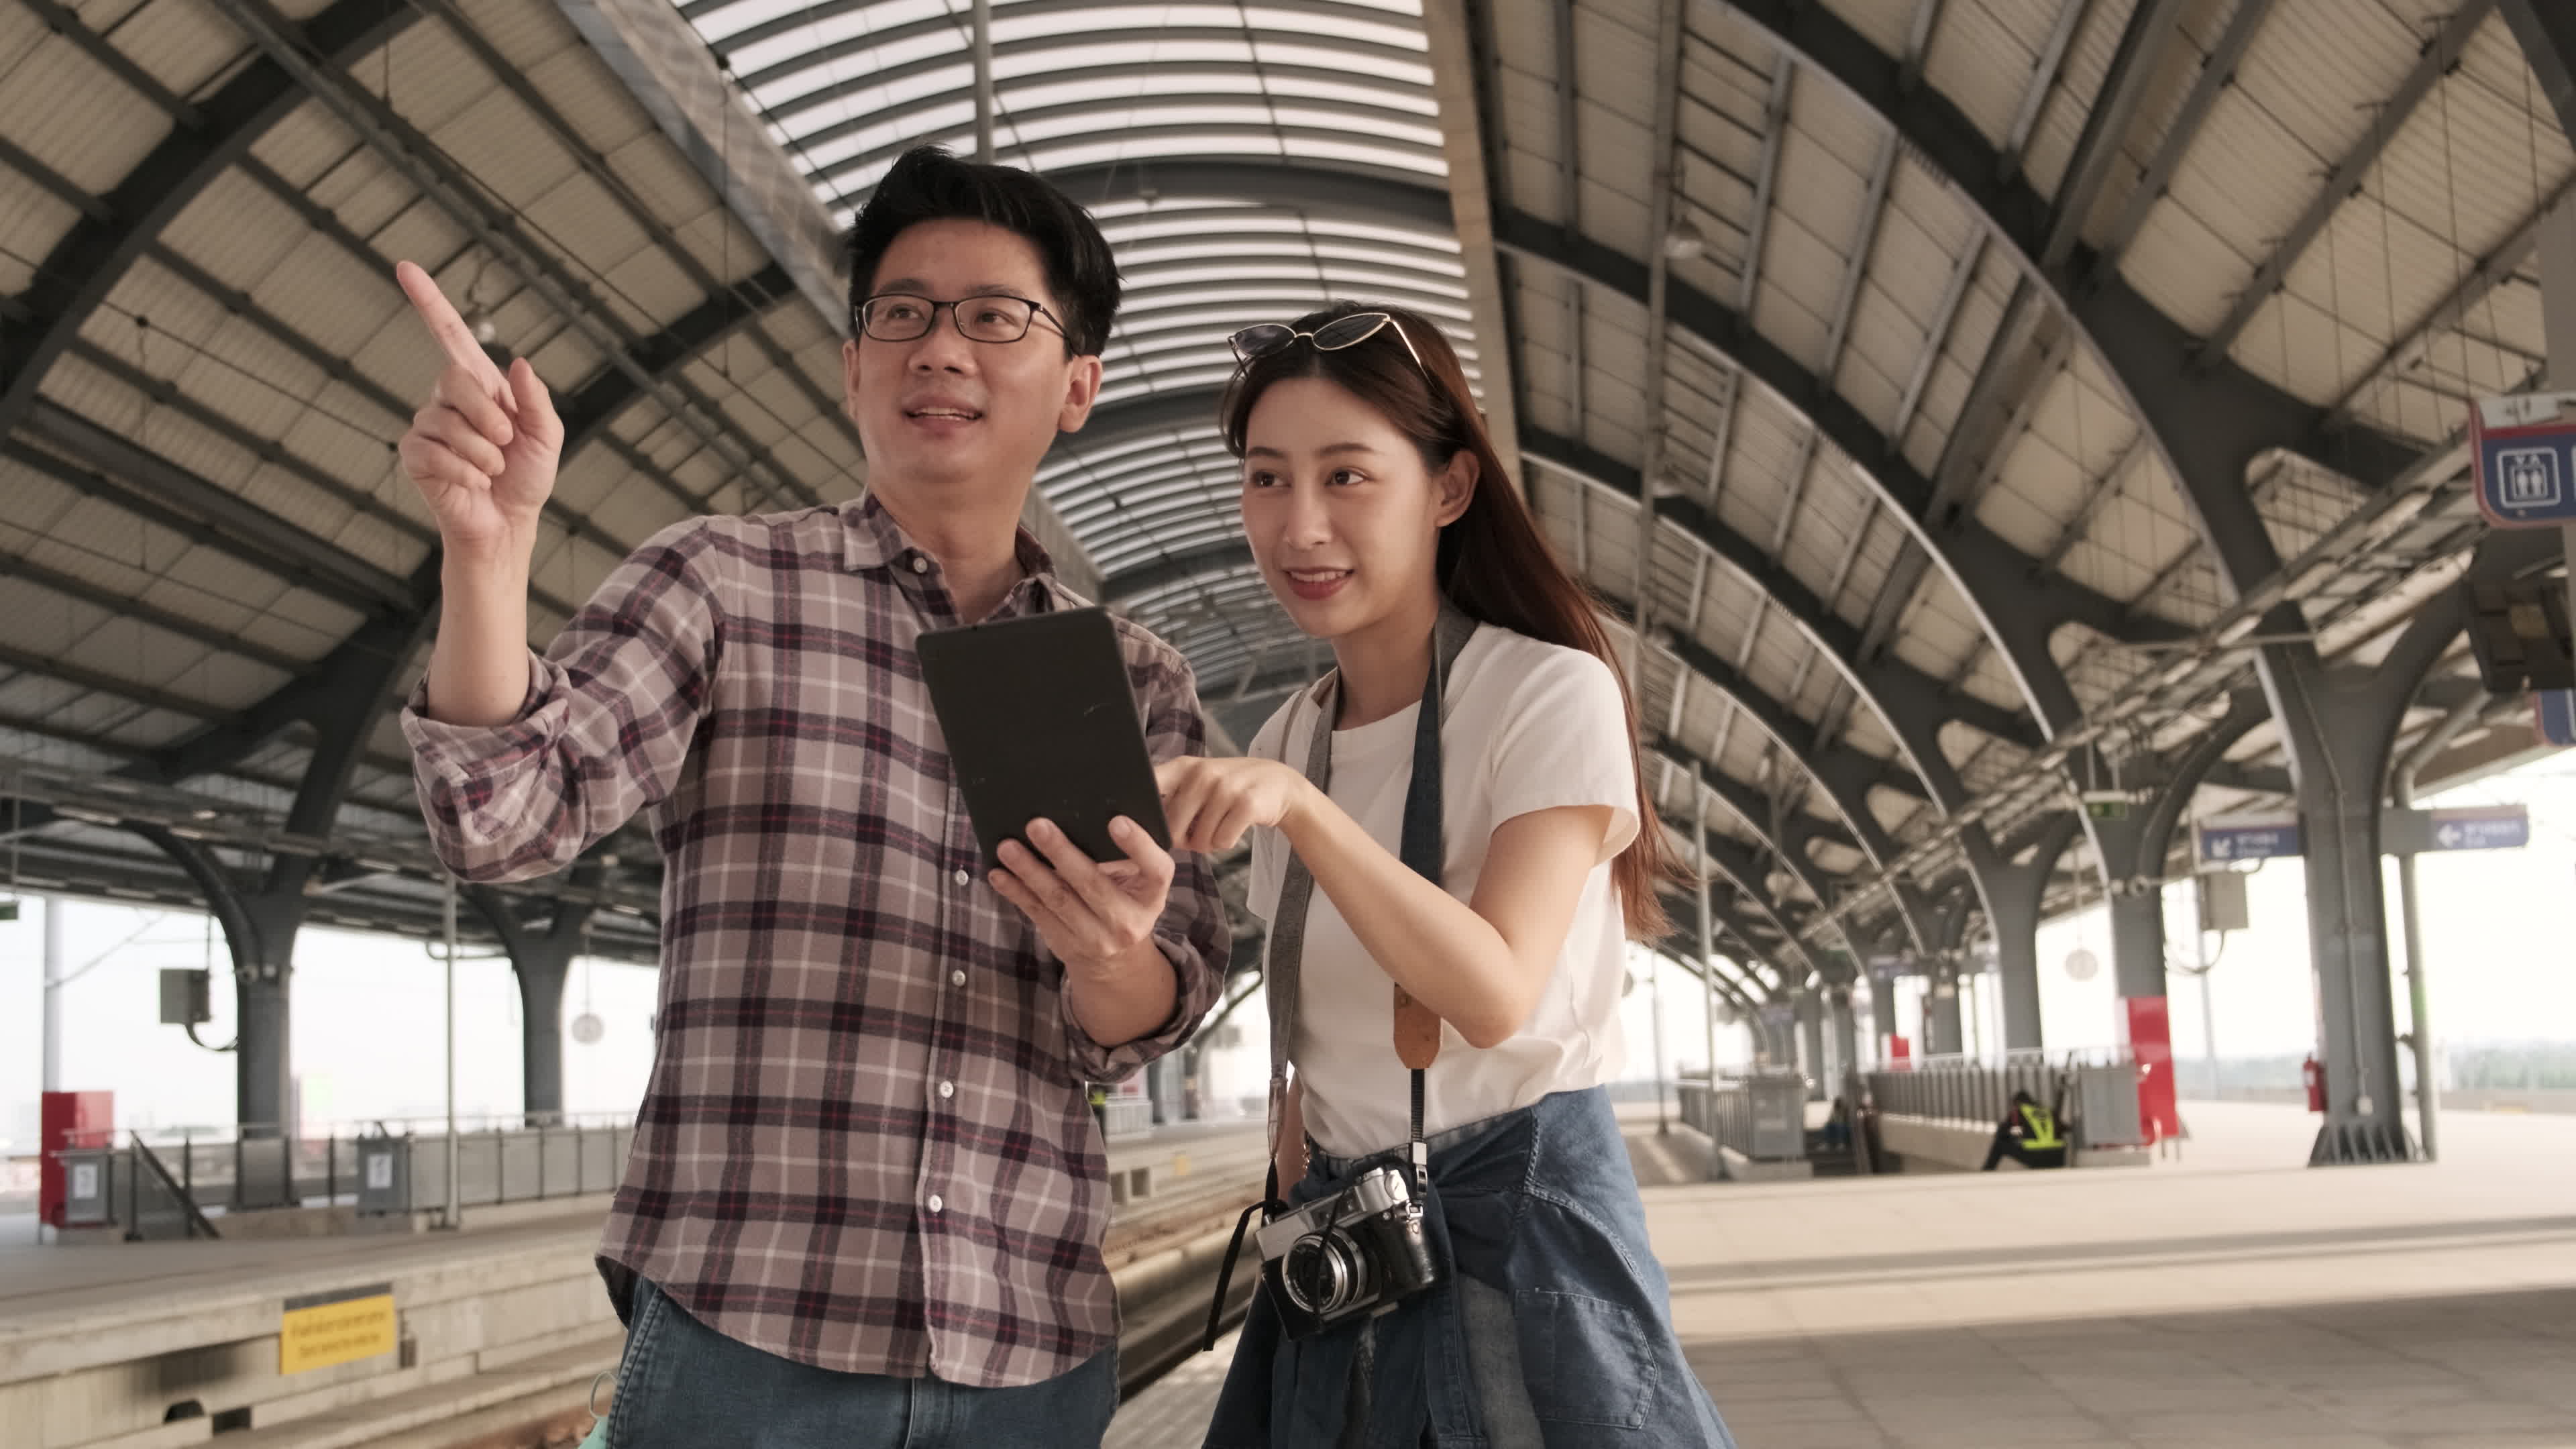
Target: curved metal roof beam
(1749, 807)
(1733, 945)
(1125, 505)
(598, 400)
(1739, 871)
(1914, 722)
(85, 267)
(1111, 501)
(948, 23)
(2209, 417)
(1214, 132)
(586, 413)
(1979, 564)
(1913, 704)
(1396, 93)
(2016, 612)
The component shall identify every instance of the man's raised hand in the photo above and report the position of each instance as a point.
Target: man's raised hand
(483, 450)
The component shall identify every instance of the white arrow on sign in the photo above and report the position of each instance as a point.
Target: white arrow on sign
(2449, 836)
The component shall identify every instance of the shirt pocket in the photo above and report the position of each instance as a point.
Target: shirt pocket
(1584, 1359)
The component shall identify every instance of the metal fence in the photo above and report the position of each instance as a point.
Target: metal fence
(409, 1172)
(1965, 1089)
(1761, 1115)
(166, 1184)
(2096, 1093)
(1126, 1117)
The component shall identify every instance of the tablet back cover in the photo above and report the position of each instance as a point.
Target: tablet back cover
(1041, 722)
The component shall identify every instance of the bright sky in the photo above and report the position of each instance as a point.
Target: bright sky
(368, 1011)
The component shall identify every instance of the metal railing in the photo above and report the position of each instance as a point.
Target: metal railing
(1964, 1089)
(1125, 1117)
(1761, 1115)
(2093, 1092)
(160, 1180)
(494, 1167)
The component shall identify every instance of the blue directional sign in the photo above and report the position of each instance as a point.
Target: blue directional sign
(2247, 837)
(2526, 459)
(2460, 827)
(2557, 711)
(2486, 827)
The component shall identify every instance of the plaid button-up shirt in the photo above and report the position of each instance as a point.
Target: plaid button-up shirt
(864, 1144)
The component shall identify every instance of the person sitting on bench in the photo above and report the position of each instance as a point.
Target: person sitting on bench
(2028, 1135)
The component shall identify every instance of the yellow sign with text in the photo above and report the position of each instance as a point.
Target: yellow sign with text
(321, 1329)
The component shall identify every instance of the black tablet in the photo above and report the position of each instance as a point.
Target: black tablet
(1041, 724)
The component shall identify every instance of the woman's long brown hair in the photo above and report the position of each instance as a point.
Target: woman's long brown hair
(1493, 563)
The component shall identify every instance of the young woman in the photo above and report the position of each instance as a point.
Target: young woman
(1379, 516)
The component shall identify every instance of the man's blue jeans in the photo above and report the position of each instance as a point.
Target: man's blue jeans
(685, 1386)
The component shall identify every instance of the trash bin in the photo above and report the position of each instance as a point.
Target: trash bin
(384, 1175)
(1779, 1108)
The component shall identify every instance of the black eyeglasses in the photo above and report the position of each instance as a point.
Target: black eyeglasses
(1264, 338)
(902, 317)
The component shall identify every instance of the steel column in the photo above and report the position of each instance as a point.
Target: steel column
(1941, 1034)
(2134, 850)
(1707, 957)
(2012, 894)
(50, 1076)
(2411, 912)
(1811, 1043)
(1846, 1035)
(541, 960)
(2343, 724)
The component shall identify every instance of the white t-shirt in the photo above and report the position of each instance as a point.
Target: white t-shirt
(1531, 726)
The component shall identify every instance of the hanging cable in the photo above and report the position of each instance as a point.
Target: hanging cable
(207, 966)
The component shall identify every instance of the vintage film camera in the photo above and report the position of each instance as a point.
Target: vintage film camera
(1359, 1251)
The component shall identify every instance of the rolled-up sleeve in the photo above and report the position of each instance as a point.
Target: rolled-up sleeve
(1193, 934)
(604, 730)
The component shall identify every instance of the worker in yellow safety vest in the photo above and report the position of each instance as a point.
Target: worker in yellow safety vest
(2028, 1135)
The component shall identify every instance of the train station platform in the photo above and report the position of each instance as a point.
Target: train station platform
(2228, 1296)
(502, 1325)
(2231, 1296)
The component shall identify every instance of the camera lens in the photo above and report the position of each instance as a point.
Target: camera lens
(1322, 1273)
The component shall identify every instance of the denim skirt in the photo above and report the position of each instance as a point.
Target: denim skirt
(1551, 1328)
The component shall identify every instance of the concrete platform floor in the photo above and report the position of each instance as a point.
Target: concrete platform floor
(2230, 1297)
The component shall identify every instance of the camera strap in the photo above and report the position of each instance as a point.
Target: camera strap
(1417, 1027)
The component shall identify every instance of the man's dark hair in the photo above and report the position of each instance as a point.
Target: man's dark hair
(929, 184)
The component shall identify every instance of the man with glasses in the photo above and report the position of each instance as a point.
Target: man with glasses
(866, 1195)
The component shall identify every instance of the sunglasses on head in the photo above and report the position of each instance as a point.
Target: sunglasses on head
(1262, 339)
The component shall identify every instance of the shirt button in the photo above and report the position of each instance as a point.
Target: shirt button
(937, 1202)
(956, 978)
(963, 877)
(920, 565)
(947, 1090)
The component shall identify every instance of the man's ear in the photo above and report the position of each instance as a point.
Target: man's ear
(1457, 483)
(1081, 390)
